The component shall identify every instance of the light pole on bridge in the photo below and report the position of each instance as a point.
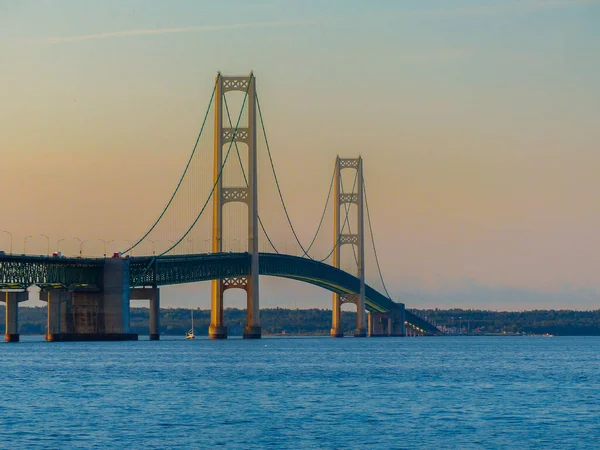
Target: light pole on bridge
(207, 245)
(25, 245)
(10, 234)
(81, 242)
(130, 247)
(153, 245)
(58, 245)
(106, 244)
(47, 244)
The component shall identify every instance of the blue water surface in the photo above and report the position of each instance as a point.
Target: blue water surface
(280, 393)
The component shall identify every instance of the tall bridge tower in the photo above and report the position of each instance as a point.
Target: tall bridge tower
(243, 194)
(339, 239)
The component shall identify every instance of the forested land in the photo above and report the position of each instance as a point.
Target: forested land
(176, 321)
(557, 322)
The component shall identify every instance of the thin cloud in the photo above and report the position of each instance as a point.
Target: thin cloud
(507, 7)
(159, 31)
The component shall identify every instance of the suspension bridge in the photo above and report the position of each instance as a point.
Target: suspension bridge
(218, 200)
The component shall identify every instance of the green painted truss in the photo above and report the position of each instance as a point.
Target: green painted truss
(20, 272)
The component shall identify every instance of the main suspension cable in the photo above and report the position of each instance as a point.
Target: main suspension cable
(220, 174)
(373, 241)
(289, 220)
(246, 179)
(184, 172)
(339, 238)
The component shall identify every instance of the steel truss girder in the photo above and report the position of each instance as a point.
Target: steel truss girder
(349, 163)
(350, 298)
(235, 194)
(235, 84)
(235, 283)
(233, 135)
(20, 272)
(349, 239)
(348, 198)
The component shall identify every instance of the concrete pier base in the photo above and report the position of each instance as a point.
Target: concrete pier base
(360, 333)
(252, 332)
(87, 313)
(11, 337)
(336, 333)
(390, 323)
(78, 337)
(217, 332)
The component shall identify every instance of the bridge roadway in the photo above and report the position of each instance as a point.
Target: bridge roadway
(86, 274)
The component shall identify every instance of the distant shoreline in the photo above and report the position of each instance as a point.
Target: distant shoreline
(317, 322)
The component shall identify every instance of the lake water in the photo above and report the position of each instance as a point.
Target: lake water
(279, 393)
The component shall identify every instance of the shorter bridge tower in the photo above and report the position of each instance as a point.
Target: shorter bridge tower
(357, 239)
(243, 194)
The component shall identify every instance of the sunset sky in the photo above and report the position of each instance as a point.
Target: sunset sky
(479, 124)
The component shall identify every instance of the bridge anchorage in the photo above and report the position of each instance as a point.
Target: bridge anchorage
(89, 299)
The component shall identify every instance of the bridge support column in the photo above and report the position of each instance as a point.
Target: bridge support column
(397, 327)
(56, 300)
(247, 194)
(389, 323)
(336, 322)
(154, 316)
(379, 324)
(253, 329)
(12, 300)
(67, 325)
(93, 315)
(87, 312)
(116, 297)
(369, 324)
(217, 330)
(153, 296)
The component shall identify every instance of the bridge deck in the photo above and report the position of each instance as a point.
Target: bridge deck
(20, 272)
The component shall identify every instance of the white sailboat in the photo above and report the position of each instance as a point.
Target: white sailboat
(190, 334)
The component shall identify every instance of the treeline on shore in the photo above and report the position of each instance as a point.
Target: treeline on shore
(176, 321)
(556, 322)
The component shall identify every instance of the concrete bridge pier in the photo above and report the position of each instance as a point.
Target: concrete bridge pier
(390, 323)
(397, 319)
(56, 317)
(153, 295)
(12, 300)
(98, 313)
(380, 324)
